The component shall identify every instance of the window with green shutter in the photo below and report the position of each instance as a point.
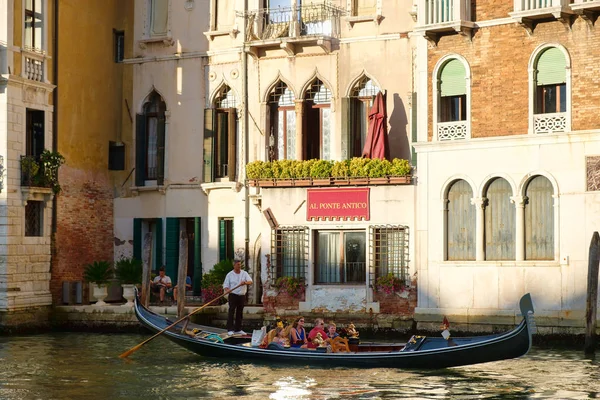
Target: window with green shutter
(226, 239)
(172, 247)
(453, 92)
(150, 141)
(551, 78)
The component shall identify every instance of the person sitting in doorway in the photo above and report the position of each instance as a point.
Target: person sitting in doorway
(298, 334)
(161, 284)
(188, 286)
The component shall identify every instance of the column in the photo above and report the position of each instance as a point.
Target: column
(299, 108)
(479, 203)
(520, 226)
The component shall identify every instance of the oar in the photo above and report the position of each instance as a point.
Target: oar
(135, 348)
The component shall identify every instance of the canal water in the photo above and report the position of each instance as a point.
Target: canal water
(86, 366)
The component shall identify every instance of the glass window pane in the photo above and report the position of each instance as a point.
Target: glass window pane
(152, 138)
(328, 258)
(354, 256)
(160, 14)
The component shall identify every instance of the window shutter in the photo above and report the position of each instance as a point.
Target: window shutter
(231, 143)
(551, 67)
(137, 238)
(453, 81)
(197, 284)
(158, 243)
(347, 128)
(160, 151)
(222, 240)
(209, 144)
(172, 247)
(140, 150)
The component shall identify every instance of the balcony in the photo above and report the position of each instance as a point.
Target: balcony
(588, 9)
(290, 28)
(455, 130)
(549, 123)
(529, 13)
(436, 18)
(33, 66)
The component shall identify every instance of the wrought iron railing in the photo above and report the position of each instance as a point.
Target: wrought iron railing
(32, 173)
(293, 22)
(289, 252)
(389, 252)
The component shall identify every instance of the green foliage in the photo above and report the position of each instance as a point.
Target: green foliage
(388, 284)
(51, 162)
(354, 168)
(321, 169)
(129, 271)
(212, 281)
(295, 287)
(98, 272)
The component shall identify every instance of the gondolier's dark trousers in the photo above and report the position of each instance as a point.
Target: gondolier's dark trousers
(236, 305)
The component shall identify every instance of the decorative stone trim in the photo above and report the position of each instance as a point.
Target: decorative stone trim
(212, 34)
(31, 193)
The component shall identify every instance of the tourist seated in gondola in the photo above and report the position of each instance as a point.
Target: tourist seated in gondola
(280, 337)
(298, 336)
(332, 331)
(318, 328)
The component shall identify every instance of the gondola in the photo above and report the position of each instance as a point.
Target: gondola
(420, 352)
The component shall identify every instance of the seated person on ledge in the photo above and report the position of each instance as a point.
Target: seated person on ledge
(319, 325)
(298, 334)
(161, 284)
(331, 331)
(188, 286)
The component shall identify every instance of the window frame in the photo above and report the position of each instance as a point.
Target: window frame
(376, 258)
(491, 225)
(342, 262)
(32, 14)
(299, 236)
(119, 45)
(38, 225)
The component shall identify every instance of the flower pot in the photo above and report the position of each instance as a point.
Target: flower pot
(266, 183)
(128, 294)
(302, 182)
(321, 181)
(399, 179)
(99, 293)
(284, 182)
(378, 181)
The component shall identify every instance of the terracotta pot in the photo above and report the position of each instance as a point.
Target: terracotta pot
(266, 183)
(321, 181)
(379, 181)
(284, 182)
(302, 182)
(399, 179)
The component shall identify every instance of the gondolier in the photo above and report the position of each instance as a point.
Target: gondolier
(237, 296)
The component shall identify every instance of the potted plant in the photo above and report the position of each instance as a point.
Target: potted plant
(129, 273)
(29, 170)
(212, 281)
(293, 286)
(388, 284)
(98, 274)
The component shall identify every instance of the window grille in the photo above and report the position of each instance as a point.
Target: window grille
(289, 252)
(282, 95)
(33, 218)
(226, 98)
(365, 88)
(318, 93)
(389, 252)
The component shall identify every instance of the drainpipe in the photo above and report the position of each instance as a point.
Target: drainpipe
(246, 140)
(55, 105)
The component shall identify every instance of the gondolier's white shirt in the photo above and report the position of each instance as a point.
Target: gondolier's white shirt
(232, 280)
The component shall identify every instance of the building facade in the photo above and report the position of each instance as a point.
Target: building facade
(508, 142)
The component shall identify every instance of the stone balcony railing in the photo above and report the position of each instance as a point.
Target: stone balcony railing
(455, 130)
(33, 66)
(530, 12)
(441, 17)
(285, 27)
(549, 123)
(588, 9)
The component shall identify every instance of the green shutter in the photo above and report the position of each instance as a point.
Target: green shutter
(231, 143)
(172, 248)
(209, 144)
(158, 243)
(137, 238)
(140, 150)
(197, 284)
(222, 240)
(551, 67)
(453, 82)
(160, 151)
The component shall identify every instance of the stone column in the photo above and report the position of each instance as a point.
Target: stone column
(520, 226)
(479, 203)
(299, 108)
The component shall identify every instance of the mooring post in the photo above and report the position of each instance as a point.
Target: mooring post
(182, 272)
(592, 295)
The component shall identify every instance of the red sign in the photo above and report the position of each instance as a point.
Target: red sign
(336, 204)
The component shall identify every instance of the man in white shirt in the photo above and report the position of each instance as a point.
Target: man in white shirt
(161, 284)
(237, 297)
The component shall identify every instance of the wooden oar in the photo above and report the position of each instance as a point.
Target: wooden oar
(135, 348)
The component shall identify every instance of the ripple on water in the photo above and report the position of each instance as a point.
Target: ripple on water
(78, 365)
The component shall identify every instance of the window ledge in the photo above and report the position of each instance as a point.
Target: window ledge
(166, 41)
(528, 19)
(32, 193)
(135, 190)
(231, 32)
(376, 19)
(208, 187)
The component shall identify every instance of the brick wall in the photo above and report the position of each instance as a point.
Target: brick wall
(399, 304)
(499, 57)
(84, 226)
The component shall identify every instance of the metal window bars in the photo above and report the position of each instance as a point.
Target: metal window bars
(389, 252)
(289, 252)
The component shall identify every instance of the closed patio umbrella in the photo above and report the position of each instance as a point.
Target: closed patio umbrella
(376, 142)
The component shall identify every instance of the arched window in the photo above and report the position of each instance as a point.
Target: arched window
(282, 135)
(317, 122)
(220, 137)
(150, 141)
(452, 101)
(460, 226)
(355, 117)
(539, 219)
(551, 92)
(499, 218)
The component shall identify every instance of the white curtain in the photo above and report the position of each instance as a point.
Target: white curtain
(329, 257)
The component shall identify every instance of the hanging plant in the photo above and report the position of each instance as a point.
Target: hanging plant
(50, 162)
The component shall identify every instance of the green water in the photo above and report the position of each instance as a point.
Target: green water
(86, 366)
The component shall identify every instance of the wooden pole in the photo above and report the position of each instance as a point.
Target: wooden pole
(147, 267)
(182, 272)
(592, 295)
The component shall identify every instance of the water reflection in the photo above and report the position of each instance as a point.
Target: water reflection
(74, 366)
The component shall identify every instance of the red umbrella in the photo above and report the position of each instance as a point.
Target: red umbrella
(376, 143)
